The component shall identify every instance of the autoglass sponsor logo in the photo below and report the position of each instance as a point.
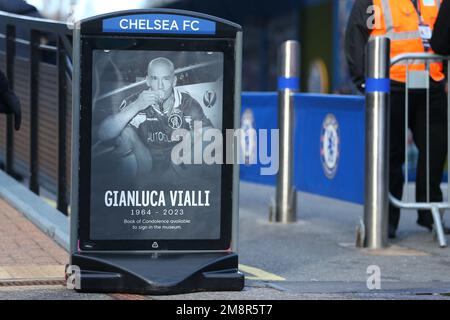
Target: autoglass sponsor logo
(160, 24)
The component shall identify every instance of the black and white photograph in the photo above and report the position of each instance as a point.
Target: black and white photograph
(140, 98)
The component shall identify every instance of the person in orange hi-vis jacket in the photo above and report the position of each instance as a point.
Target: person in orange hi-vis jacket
(409, 25)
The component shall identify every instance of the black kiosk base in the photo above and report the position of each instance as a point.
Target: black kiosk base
(158, 274)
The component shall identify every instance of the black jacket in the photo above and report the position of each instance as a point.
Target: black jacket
(19, 7)
(22, 8)
(356, 38)
(441, 33)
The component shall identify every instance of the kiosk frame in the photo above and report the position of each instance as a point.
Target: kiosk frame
(137, 267)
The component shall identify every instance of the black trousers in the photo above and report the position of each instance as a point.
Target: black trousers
(417, 122)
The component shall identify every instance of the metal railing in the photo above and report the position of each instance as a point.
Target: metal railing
(377, 197)
(38, 32)
(421, 80)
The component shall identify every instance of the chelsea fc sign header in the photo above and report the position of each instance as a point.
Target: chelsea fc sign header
(159, 23)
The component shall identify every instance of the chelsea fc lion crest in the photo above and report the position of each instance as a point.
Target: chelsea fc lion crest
(330, 146)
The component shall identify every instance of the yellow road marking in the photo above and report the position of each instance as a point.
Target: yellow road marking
(4, 274)
(52, 203)
(258, 274)
(31, 272)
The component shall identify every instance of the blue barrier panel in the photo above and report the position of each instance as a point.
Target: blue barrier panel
(264, 115)
(329, 143)
(329, 153)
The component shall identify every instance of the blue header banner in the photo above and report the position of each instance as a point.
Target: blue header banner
(159, 24)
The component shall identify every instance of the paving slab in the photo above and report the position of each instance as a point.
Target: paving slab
(25, 251)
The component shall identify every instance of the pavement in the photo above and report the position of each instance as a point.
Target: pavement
(315, 258)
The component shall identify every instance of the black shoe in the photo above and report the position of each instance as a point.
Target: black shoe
(392, 233)
(425, 224)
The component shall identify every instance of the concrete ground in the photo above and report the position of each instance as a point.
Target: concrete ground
(315, 258)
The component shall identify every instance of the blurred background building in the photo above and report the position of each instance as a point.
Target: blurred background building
(318, 24)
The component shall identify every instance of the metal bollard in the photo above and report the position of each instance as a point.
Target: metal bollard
(288, 84)
(377, 143)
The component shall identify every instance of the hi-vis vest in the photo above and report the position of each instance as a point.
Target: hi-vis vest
(399, 21)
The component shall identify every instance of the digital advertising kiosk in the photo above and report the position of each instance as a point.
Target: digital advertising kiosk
(141, 222)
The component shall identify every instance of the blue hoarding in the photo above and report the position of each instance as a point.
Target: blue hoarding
(329, 143)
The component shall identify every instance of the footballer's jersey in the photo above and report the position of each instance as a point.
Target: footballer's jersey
(155, 127)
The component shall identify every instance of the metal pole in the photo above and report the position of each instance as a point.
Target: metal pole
(288, 84)
(62, 204)
(34, 110)
(448, 133)
(377, 143)
(10, 58)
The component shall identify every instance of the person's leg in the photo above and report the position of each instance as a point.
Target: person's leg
(4, 87)
(396, 156)
(4, 84)
(437, 150)
(9, 102)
